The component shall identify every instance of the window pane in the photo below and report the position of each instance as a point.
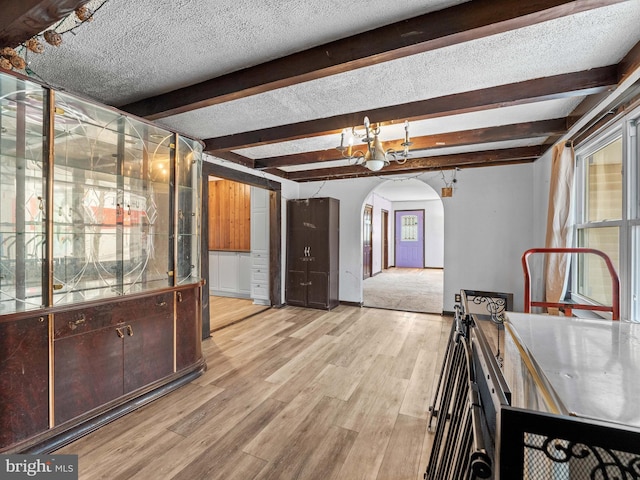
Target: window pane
(594, 280)
(603, 200)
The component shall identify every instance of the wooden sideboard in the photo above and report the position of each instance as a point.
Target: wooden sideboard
(65, 372)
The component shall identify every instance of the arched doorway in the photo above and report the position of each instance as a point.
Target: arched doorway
(404, 214)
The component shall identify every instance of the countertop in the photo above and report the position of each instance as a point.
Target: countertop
(593, 365)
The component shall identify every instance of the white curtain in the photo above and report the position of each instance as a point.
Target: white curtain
(559, 222)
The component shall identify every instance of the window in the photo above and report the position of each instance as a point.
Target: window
(607, 217)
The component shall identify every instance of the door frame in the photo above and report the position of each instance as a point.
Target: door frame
(275, 233)
(369, 208)
(384, 219)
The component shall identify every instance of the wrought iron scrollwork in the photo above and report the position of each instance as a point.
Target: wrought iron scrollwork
(594, 462)
(495, 306)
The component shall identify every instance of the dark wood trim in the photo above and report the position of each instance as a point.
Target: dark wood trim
(216, 170)
(204, 254)
(234, 158)
(586, 82)
(517, 131)
(384, 221)
(275, 250)
(439, 29)
(58, 437)
(22, 20)
(461, 160)
(275, 224)
(630, 63)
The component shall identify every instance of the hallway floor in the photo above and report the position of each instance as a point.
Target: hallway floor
(410, 289)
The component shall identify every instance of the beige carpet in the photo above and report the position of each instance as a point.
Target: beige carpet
(409, 289)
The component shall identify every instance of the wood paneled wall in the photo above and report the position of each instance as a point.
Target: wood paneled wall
(229, 215)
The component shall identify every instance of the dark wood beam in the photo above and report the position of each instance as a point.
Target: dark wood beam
(547, 88)
(234, 158)
(442, 162)
(22, 20)
(543, 128)
(630, 63)
(460, 23)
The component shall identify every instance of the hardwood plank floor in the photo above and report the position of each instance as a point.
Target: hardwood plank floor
(225, 311)
(290, 393)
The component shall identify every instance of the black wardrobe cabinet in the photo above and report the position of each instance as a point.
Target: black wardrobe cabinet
(313, 237)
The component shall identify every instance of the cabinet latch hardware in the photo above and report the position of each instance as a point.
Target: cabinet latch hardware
(179, 295)
(120, 332)
(129, 330)
(58, 286)
(161, 304)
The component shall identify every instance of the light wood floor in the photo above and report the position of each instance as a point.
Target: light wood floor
(289, 393)
(225, 311)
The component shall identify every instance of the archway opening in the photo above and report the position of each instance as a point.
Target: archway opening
(403, 247)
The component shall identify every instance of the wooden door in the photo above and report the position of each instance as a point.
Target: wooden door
(188, 344)
(88, 371)
(24, 379)
(385, 239)
(367, 240)
(297, 252)
(148, 342)
(409, 238)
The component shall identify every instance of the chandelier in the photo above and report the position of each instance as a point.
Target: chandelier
(375, 158)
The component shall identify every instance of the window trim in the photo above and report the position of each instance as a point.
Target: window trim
(625, 128)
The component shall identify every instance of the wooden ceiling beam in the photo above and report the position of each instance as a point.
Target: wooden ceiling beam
(22, 20)
(234, 158)
(460, 23)
(547, 88)
(519, 131)
(442, 162)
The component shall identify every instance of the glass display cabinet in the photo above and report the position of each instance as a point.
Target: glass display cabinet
(99, 238)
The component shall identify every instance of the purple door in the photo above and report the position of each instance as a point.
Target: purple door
(410, 238)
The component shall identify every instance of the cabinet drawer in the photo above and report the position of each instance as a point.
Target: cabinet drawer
(259, 260)
(259, 276)
(75, 322)
(260, 291)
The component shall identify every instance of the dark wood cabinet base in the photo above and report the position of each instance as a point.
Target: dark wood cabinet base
(58, 437)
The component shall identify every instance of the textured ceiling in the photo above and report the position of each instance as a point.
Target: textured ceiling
(136, 50)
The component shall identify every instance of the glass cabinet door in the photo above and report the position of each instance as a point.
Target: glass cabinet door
(188, 173)
(22, 193)
(111, 203)
(120, 213)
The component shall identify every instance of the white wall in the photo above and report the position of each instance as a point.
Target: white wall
(434, 230)
(495, 214)
(488, 224)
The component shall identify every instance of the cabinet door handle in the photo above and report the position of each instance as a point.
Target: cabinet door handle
(161, 304)
(120, 332)
(129, 330)
(179, 295)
